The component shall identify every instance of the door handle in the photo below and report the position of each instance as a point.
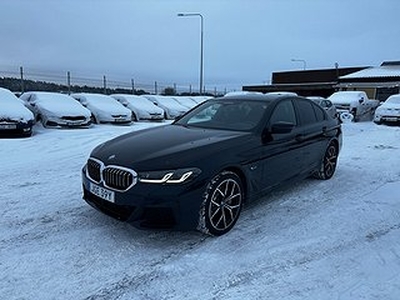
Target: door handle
(300, 138)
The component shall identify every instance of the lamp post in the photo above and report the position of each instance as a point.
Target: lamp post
(201, 45)
(300, 60)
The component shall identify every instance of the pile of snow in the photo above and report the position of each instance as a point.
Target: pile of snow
(335, 239)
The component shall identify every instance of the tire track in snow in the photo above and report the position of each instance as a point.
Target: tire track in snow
(145, 275)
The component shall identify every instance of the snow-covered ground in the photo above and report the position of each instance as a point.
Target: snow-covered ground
(336, 239)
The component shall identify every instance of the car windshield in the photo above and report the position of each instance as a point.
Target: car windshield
(393, 100)
(238, 115)
(318, 101)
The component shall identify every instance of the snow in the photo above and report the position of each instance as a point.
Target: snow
(103, 104)
(382, 71)
(58, 104)
(393, 100)
(168, 102)
(11, 108)
(335, 239)
(139, 102)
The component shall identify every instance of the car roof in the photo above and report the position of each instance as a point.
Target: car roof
(257, 97)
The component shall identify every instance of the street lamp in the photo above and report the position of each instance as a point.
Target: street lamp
(300, 60)
(201, 45)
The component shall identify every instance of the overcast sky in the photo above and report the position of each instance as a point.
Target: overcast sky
(244, 40)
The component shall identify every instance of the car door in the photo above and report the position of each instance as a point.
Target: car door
(281, 152)
(312, 129)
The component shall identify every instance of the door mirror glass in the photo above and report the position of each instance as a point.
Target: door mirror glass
(282, 127)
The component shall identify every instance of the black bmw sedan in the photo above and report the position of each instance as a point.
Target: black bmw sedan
(199, 171)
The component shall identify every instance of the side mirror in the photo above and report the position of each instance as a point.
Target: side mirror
(282, 127)
(361, 100)
(276, 128)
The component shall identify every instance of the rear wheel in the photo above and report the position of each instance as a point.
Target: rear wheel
(222, 204)
(328, 165)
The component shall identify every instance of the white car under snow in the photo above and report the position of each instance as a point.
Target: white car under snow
(170, 106)
(185, 101)
(142, 108)
(388, 111)
(56, 110)
(104, 109)
(15, 118)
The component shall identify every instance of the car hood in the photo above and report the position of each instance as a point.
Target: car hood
(167, 147)
(389, 106)
(175, 106)
(344, 101)
(109, 108)
(70, 108)
(149, 108)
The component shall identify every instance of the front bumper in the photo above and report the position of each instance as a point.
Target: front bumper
(11, 128)
(151, 206)
(62, 123)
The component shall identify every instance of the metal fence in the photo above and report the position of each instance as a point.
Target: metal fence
(69, 82)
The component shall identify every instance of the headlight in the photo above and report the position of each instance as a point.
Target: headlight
(170, 176)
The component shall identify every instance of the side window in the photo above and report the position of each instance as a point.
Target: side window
(328, 103)
(319, 113)
(283, 112)
(306, 112)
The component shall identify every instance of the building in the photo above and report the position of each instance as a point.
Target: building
(379, 82)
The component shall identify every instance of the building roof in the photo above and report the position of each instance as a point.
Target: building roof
(313, 76)
(386, 69)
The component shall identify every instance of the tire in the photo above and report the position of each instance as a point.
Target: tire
(93, 119)
(222, 204)
(345, 117)
(329, 162)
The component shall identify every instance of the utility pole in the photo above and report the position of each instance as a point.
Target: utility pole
(69, 82)
(21, 69)
(133, 86)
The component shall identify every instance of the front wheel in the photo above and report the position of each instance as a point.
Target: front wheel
(94, 120)
(346, 117)
(329, 162)
(222, 204)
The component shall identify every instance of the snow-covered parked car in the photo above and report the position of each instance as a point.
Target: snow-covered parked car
(186, 101)
(172, 109)
(353, 105)
(15, 118)
(56, 110)
(325, 104)
(104, 109)
(142, 108)
(200, 99)
(388, 111)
